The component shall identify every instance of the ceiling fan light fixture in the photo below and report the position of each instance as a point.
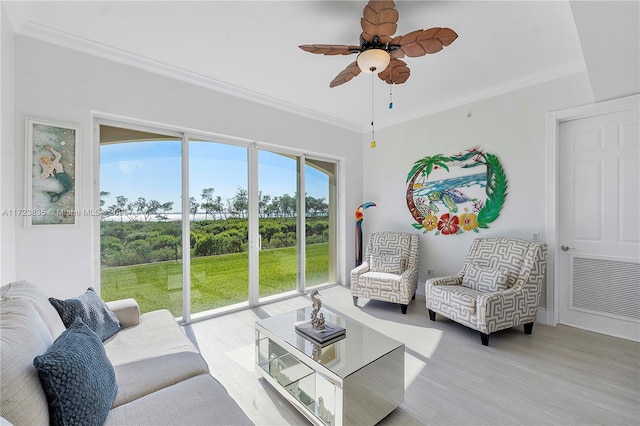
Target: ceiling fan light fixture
(373, 60)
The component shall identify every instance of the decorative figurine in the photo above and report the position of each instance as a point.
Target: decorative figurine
(359, 219)
(324, 413)
(316, 329)
(316, 352)
(317, 321)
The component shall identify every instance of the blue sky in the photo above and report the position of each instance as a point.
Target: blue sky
(153, 170)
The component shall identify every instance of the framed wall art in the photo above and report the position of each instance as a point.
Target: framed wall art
(52, 172)
(451, 195)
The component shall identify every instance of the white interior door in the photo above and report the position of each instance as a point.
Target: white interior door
(599, 217)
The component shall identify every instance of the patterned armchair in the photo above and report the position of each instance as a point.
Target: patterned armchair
(389, 270)
(498, 286)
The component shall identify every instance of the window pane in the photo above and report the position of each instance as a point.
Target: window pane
(219, 225)
(320, 201)
(140, 229)
(278, 188)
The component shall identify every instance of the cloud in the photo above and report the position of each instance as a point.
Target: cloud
(127, 167)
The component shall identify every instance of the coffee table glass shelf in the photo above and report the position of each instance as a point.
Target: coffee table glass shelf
(357, 380)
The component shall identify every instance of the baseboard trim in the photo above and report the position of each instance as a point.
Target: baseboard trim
(541, 315)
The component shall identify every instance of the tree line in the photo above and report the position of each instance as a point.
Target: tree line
(284, 206)
(138, 242)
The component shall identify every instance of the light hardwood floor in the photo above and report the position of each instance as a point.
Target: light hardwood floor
(556, 376)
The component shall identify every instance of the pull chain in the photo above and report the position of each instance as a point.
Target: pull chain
(373, 130)
(390, 95)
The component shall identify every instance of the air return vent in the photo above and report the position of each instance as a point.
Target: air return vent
(607, 287)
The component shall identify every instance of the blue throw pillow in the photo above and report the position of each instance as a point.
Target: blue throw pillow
(77, 378)
(93, 311)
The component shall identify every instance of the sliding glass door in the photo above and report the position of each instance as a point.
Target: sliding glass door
(321, 222)
(218, 213)
(141, 224)
(193, 224)
(278, 223)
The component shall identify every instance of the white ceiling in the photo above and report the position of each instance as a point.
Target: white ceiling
(250, 49)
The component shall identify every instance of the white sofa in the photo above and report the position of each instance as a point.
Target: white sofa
(162, 379)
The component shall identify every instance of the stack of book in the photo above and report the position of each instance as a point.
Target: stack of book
(330, 334)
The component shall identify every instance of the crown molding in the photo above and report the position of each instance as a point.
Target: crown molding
(50, 35)
(47, 34)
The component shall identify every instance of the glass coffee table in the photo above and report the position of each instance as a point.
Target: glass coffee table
(357, 380)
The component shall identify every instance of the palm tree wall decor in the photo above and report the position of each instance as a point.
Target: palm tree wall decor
(460, 202)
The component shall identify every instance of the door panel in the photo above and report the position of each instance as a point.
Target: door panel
(278, 223)
(587, 211)
(320, 211)
(141, 227)
(218, 219)
(629, 223)
(599, 193)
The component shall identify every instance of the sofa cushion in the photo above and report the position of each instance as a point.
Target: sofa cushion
(77, 377)
(139, 378)
(157, 334)
(485, 279)
(152, 355)
(23, 336)
(34, 295)
(200, 400)
(93, 311)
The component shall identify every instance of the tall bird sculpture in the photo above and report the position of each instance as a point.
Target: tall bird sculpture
(359, 219)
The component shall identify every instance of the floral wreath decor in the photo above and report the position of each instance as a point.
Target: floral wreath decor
(454, 201)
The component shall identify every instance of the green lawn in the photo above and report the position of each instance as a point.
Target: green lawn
(215, 280)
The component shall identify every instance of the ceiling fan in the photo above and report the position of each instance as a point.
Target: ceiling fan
(378, 51)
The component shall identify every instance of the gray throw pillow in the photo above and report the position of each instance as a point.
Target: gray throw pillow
(93, 311)
(77, 378)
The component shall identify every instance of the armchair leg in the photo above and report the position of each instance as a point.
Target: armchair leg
(528, 328)
(485, 339)
(414, 297)
(404, 309)
(355, 300)
(432, 315)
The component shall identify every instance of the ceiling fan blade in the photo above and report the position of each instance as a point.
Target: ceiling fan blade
(330, 49)
(345, 75)
(421, 42)
(379, 18)
(396, 73)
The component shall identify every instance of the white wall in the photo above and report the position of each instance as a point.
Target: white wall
(512, 126)
(59, 84)
(8, 223)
